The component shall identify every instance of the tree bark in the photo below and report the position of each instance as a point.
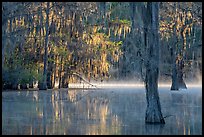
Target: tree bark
(177, 74)
(65, 77)
(181, 82)
(50, 71)
(55, 72)
(174, 85)
(65, 80)
(49, 81)
(60, 72)
(153, 111)
(44, 84)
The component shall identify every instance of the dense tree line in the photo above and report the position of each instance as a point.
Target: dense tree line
(54, 40)
(46, 42)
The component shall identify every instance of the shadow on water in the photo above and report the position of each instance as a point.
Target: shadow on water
(96, 112)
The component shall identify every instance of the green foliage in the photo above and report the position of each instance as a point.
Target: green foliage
(124, 21)
(119, 43)
(18, 69)
(127, 22)
(20, 75)
(27, 76)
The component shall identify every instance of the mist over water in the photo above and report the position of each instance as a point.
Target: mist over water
(125, 84)
(112, 109)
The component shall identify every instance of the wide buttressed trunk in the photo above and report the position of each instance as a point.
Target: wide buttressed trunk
(177, 75)
(153, 111)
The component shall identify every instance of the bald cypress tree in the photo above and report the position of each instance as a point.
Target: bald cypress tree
(153, 111)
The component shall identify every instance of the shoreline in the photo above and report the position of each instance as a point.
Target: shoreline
(100, 87)
(37, 89)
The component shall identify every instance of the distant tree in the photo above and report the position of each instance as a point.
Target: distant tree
(43, 86)
(177, 27)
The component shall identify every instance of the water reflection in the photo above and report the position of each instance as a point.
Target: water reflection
(96, 112)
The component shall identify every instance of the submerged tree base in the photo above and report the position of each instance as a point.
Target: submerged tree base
(156, 121)
(154, 116)
(174, 88)
(181, 85)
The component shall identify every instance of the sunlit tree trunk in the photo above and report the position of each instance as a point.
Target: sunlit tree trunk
(50, 68)
(153, 111)
(55, 72)
(38, 50)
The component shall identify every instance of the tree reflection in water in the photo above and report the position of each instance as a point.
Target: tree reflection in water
(95, 112)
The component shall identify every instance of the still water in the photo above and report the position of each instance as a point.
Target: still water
(100, 111)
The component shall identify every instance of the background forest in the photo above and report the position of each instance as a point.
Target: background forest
(57, 43)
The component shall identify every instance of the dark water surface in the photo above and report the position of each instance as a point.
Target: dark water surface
(102, 111)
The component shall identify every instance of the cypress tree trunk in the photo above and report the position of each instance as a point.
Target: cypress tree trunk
(178, 62)
(64, 81)
(49, 86)
(49, 82)
(49, 73)
(153, 111)
(43, 86)
(181, 82)
(60, 71)
(174, 85)
(65, 78)
(54, 79)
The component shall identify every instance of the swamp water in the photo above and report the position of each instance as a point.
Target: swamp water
(106, 111)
